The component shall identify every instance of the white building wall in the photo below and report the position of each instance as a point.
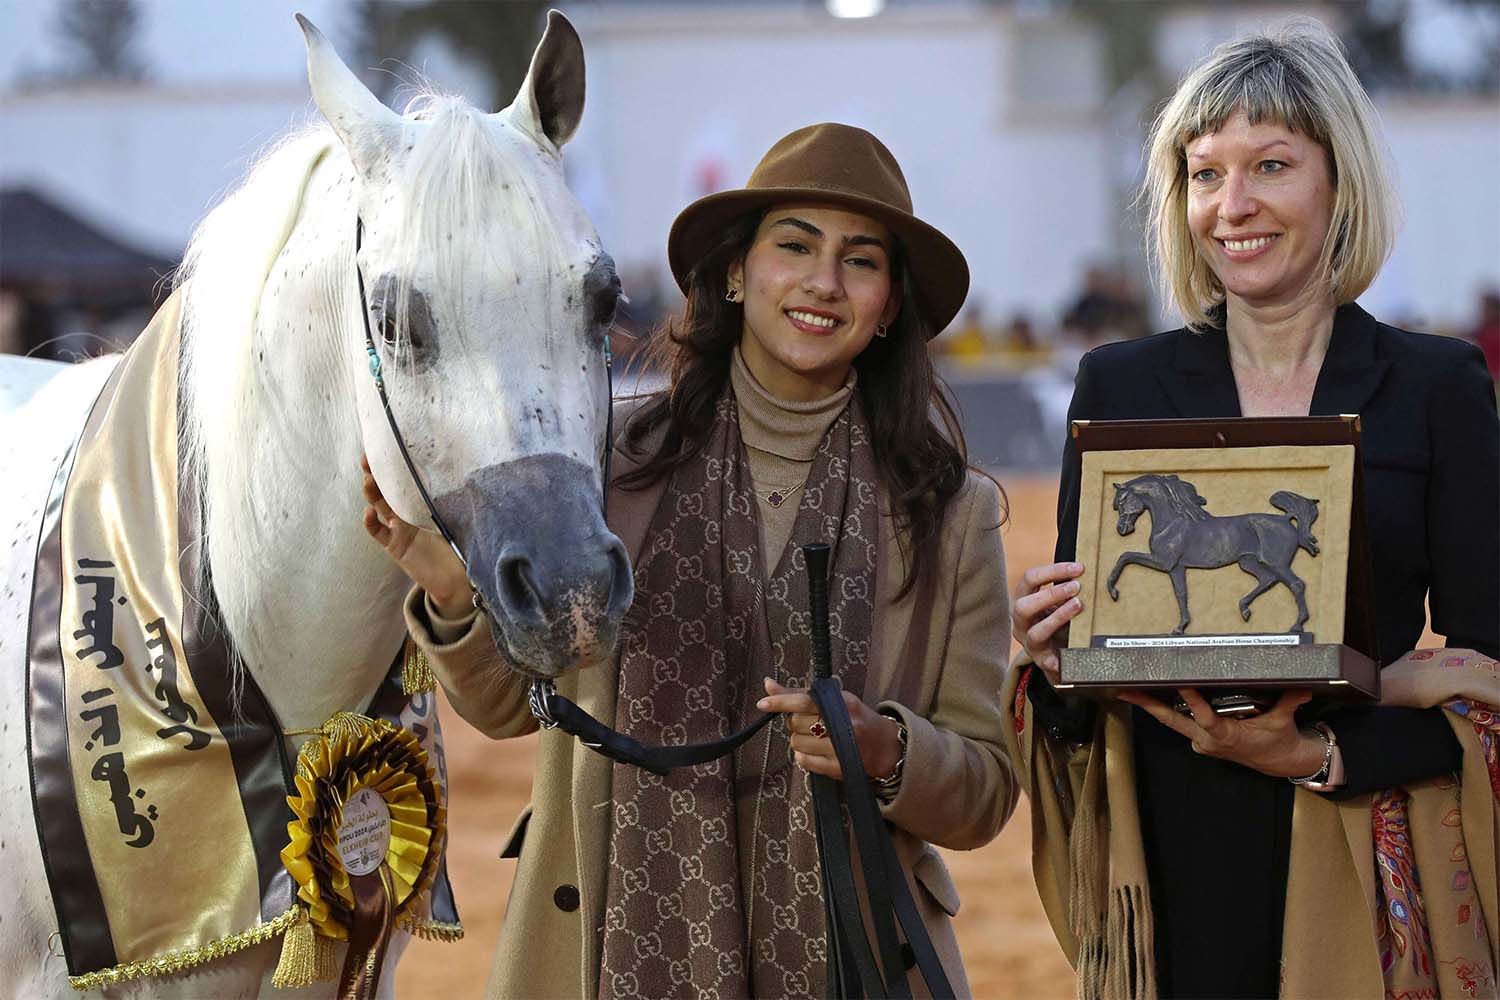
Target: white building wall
(1447, 162)
(144, 163)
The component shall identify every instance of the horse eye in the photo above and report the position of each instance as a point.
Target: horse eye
(388, 328)
(606, 303)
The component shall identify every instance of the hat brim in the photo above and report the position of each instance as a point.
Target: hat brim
(938, 270)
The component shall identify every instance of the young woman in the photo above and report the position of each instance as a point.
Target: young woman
(1271, 213)
(800, 410)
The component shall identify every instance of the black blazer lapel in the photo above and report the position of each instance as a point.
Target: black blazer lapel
(1351, 370)
(1200, 382)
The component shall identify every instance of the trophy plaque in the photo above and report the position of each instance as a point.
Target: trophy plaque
(1226, 555)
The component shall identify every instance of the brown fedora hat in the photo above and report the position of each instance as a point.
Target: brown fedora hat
(839, 165)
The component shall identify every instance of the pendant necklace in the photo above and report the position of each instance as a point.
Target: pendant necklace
(778, 495)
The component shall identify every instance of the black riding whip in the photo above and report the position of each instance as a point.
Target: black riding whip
(852, 968)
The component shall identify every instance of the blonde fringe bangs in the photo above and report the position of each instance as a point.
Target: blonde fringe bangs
(1298, 77)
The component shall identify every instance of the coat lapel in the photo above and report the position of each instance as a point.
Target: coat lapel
(1200, 383)
(1351, 371)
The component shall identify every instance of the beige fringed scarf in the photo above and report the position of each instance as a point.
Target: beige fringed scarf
(1356, 924)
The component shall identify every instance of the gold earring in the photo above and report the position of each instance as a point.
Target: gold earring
(881, 329)
(733, 295)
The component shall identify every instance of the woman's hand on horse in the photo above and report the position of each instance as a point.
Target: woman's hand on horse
(1045, 601)
(1270, 743)
(422, 555)
(878, 736)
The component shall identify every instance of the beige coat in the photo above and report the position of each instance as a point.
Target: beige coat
(941, 667)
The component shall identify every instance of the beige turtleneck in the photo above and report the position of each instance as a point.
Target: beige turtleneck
(781, 438)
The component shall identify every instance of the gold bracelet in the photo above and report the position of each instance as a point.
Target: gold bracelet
(892, 781)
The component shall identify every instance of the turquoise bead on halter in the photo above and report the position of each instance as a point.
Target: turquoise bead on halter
(374, 361)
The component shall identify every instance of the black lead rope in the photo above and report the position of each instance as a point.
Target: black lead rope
(554, 711)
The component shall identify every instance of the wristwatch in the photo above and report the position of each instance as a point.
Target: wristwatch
(1318, 780)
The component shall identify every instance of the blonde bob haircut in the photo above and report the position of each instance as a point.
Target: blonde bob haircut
(1297, 77)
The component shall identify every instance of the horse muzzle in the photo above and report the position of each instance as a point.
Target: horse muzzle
(1126, 522)
(556, 581)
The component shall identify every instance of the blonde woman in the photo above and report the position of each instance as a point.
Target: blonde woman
(1192, 865)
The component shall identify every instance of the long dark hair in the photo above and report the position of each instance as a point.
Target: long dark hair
(919, 446)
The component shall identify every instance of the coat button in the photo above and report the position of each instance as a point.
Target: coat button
(566, 898)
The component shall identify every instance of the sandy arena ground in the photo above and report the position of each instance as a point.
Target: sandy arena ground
(1008, 947)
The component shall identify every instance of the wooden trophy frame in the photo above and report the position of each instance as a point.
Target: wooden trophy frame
(1257, 576)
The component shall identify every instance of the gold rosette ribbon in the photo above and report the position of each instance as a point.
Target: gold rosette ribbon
(350, 753)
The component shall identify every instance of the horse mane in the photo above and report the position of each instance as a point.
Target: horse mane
(1183, 497)
(454, 174)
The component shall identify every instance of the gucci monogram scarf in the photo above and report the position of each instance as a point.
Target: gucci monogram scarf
(714, 886)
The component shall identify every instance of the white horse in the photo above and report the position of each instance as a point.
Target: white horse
(489, 296)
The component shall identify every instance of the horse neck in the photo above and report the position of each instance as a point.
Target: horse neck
(1168, 507)
(1163, 511)
(312, 604)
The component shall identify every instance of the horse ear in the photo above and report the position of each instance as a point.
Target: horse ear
(1117, 486)
(549, 104)
(368, 129)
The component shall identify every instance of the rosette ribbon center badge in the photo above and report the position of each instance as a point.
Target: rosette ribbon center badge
(363, 849)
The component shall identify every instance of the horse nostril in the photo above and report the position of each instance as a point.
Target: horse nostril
(518, 591)
(621, 583)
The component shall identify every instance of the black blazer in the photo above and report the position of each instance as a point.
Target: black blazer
(1431, 460)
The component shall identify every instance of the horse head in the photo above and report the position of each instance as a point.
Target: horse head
(488, 297)
(1130, 506)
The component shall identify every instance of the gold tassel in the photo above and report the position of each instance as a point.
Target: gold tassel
(349, 725)
(307, 957)
(416, 672)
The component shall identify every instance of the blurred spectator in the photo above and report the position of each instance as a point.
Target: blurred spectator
(1019, 336)
(967, 342)
(26, 325)
(1487, 334)
(1108, 308)
(642, 311)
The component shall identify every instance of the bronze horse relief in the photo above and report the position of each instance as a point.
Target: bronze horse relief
(1186, 536)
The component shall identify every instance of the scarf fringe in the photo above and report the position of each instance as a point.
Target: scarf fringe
(1113, 925)
(1116, 961)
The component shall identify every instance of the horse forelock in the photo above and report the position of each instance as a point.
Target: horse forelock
(468, 190)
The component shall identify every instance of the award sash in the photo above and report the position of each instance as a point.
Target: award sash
(161, 791)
